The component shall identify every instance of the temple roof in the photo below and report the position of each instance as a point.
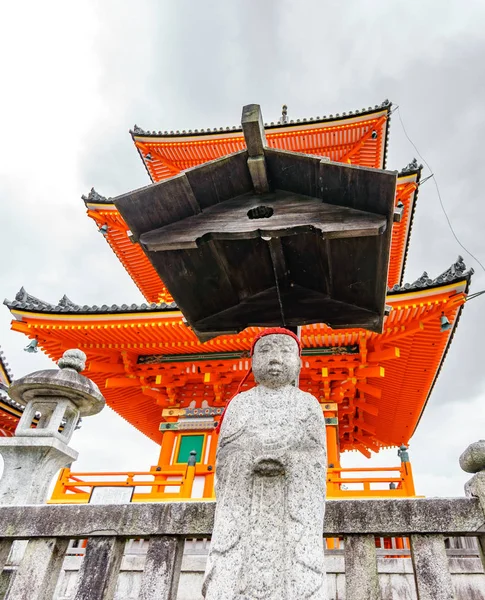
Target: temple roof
(144, 358)
(283, 122)
(358, 137)
(25, 301)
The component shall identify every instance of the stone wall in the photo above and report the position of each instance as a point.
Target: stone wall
(396, 578)
(114, 567)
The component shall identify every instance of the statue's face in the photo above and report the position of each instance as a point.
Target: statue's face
(276, 360)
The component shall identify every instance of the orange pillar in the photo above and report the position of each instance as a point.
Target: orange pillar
(406, 471)
(407, 475)
(211, 462)
(333, 455)
(166, 448)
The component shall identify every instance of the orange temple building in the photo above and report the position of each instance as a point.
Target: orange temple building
(153, 371)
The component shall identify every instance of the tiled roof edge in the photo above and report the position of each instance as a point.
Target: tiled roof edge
(456, 272)
(96, 198)
(5, 367)
(25, 301)
(289, 123)
(4, 397)
(411, 168)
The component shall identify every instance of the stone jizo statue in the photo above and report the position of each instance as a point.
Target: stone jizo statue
(267, 541)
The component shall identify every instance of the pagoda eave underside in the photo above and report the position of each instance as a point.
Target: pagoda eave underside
(141, 270)
(148, 360)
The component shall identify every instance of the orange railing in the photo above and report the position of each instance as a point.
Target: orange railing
(155, 485)
(177, 482)
(371, 482)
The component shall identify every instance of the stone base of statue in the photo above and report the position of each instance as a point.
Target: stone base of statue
(271, 471)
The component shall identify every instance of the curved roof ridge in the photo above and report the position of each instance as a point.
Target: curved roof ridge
(288, 123)
(411, 167)
(25, 301)
(455, 272)
(96, 198)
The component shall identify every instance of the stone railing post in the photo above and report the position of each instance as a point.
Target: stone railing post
(473, 461)
(57, 398)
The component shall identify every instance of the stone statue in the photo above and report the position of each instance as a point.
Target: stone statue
(267, 541)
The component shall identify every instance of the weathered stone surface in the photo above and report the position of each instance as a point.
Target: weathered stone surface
(475, 488)
(30, 465)
(473, 459)
(455, 517)
(270, 487)
(162, 568)
(396, 578)
(39, 570)
(100, 569)
(394, 516)
(361, 579)
(431, 571)
(5, 546)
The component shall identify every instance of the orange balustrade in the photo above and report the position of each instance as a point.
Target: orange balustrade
(76, 488)
(155, 486)
(341, 483)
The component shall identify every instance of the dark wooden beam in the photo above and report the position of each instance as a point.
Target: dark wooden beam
(273, 215)
(253, 130)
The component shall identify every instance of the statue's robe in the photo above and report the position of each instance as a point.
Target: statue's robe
(267, 541)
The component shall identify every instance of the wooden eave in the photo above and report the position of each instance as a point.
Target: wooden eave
(148, 282)
(122, 350)
(200, 223)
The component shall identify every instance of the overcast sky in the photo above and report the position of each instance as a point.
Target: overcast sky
(77, 76)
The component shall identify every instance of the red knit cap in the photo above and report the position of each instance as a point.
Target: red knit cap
(265, 332)
(272, 331)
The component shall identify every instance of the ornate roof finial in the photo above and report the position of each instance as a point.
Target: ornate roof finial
(457, 269)
(412, 166)
(21, 295)
(284, 114)
(65, 302)
(24, 297)
(73, 359)
(422, 281)
(93, 196)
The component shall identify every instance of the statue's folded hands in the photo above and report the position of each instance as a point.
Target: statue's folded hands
(268, 466)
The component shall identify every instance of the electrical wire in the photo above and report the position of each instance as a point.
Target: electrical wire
(437, 190)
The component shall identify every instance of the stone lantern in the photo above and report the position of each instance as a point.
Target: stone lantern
(54, 400)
